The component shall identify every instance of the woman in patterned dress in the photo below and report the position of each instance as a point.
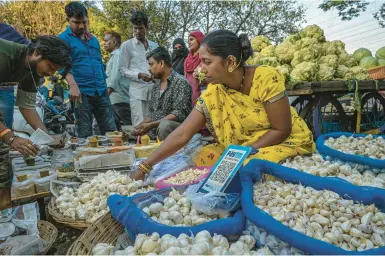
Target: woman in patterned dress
(243, 105)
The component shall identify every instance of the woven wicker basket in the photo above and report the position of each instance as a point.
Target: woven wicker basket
(377, 73)
(48, 232)
(59, 218)
(104, 230)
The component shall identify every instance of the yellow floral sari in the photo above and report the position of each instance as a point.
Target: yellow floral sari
(235, 118)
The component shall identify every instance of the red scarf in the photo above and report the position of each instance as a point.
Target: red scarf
(191, 62)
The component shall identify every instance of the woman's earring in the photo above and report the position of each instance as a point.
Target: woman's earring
(230, 70)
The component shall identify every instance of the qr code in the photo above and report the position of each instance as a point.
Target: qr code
(223, 172)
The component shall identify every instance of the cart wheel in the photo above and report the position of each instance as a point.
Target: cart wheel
(300, 102)
(324, 114)
(373, 111)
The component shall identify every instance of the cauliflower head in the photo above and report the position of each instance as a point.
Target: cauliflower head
(305, 54)
(292, 38)
(268, 51)
(330, 60)
(325, 73)
(254, 59)
(269, 61)
(284, 70)
(313, 31)
(305, 71)
(285, 52)
(341, 71)
(259, 42)
(359, 73)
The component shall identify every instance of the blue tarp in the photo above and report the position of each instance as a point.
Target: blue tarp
(325, 150)
(252, 173)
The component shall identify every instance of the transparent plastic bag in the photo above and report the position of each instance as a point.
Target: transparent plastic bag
(43, 184)
(123, 242)
(213, 202)
(24, 188)
(61, 157)
(26, 218)
(168, 167)
(176, 163)
(23, 245)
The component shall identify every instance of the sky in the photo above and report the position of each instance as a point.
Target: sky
(363, 31)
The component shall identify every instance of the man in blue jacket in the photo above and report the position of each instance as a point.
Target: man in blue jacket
(88, 89)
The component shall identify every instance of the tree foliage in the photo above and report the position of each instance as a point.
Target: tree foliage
(350, 9)
(168, 19)
(34, 18)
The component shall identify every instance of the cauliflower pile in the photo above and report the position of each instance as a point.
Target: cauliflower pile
(307, 56)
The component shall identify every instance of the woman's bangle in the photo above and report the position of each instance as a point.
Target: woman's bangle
(145, 167)
(4, 132)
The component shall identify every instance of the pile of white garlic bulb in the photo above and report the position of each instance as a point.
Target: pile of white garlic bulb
(186, 176)
(89, 201)
(323, 215)
(202, 244)
(177, 210)
(366, 146)
(359, 175)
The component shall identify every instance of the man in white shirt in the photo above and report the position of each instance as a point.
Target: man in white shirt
(134, 66)
(118, 86)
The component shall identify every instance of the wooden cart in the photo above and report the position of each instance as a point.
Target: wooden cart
(320, 104)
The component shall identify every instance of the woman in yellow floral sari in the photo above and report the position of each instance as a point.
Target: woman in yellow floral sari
(243, 105)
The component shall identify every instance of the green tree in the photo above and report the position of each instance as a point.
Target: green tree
(273, 19)
(34, 18)
(350, 9)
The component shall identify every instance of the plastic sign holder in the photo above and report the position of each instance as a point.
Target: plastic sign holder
(224, 176)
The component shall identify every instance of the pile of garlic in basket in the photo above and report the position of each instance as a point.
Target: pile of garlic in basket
(202, 244)
(357, 174)
(89, 201)
(366, 146)
(323, 215)
(177, 210)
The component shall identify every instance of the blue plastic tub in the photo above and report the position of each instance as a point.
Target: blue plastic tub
(325, 150)
(252, 173)
(127, 211)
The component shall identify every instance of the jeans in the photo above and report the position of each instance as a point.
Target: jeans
(98, 106)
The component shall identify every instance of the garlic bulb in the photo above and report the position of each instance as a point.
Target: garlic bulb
(323, 215)
(177, 211)
(359, 175)
(366, 146)
(89, 201)
(265, 240)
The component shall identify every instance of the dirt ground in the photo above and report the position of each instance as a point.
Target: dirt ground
(66, 236)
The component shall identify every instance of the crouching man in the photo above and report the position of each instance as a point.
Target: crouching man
(170, 97)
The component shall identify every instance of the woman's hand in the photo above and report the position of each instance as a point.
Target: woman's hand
(138, 175)
(24, 146)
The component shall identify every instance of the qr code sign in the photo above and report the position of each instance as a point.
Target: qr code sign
(223, 171)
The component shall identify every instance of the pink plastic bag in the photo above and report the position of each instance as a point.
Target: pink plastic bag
(162, 184)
